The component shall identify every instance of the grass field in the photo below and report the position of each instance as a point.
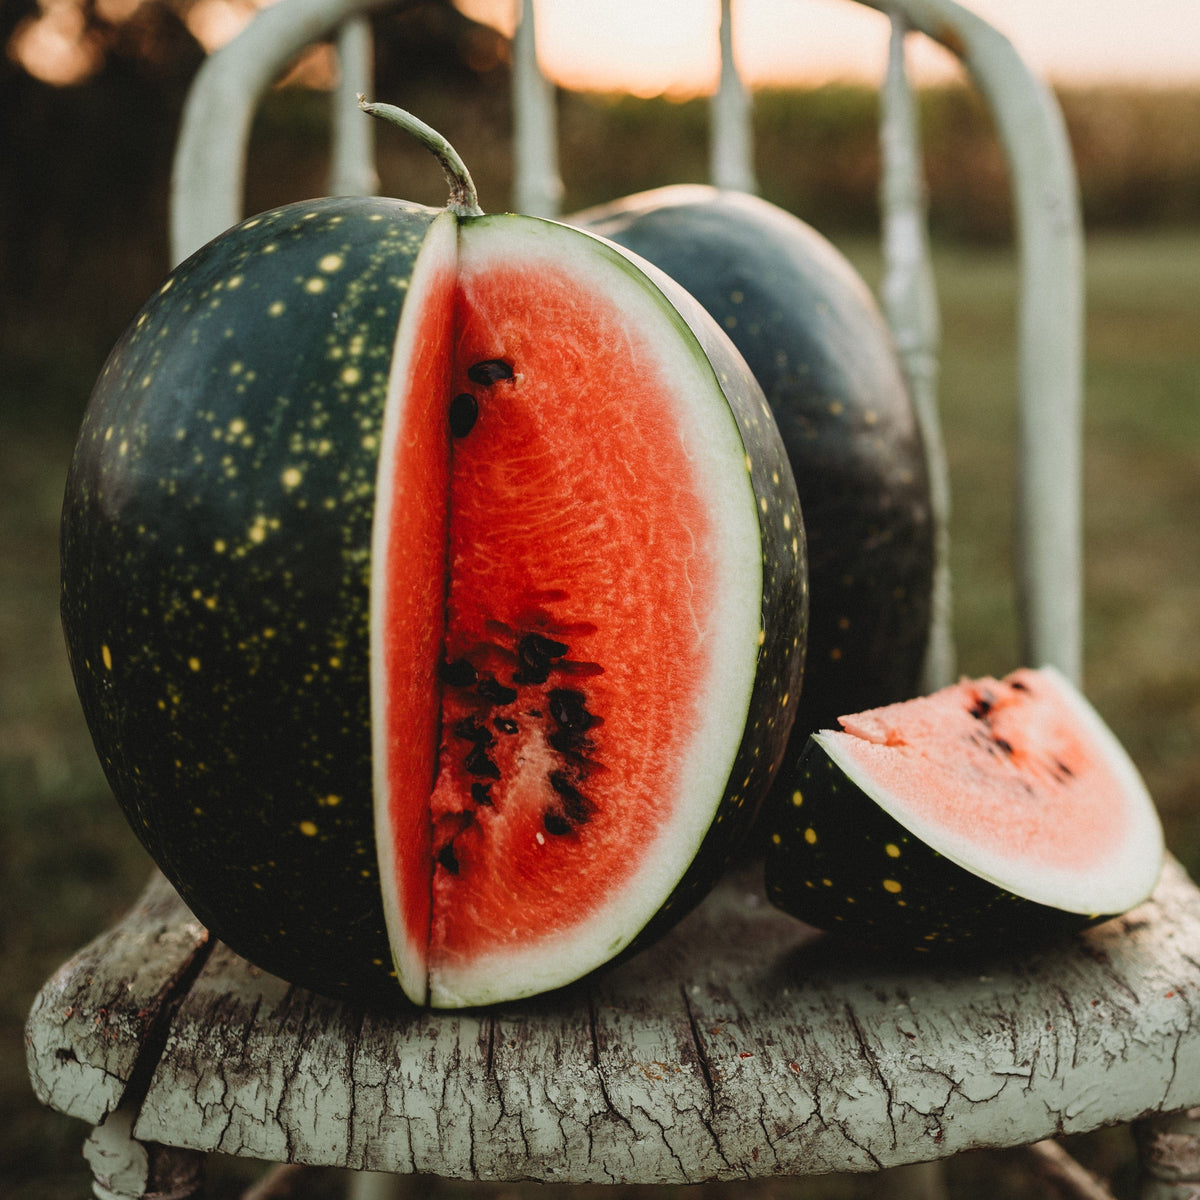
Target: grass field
(68, 865)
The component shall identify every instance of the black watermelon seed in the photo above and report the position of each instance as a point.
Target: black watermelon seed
(458, 673)
(470, 730)
(535, 643)
(448, 859)
(464, 411)
(569, 709)
(491, 370)
(537, 654)
(1004, 745)
(505, 724)
(481, 793)
(578, 807)
(567, 741)
(478, 763)
(492, 689)
(981, 708)
(555, 823)
(1062, 766)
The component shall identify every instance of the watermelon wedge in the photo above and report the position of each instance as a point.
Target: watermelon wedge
(990, 814)
(434, 586)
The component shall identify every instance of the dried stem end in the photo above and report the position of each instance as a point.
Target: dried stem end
(464, 200)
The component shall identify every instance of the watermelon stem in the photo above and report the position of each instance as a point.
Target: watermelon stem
(464, 200)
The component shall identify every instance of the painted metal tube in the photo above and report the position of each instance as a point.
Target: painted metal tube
(1050, 327)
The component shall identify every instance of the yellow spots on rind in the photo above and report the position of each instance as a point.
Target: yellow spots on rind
(893, 886)
(892, 850)
(193, 663)
(810, 836)
(106, 657)
(308, 828)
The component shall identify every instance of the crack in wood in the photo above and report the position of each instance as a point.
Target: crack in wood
(662, 1132)
(1073, 1020)
(701, 1055)
(158, 1032)
(873, 1062)
(593, 1030)
(489, 1062)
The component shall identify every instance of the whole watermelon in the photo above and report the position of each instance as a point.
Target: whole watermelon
(433, 584)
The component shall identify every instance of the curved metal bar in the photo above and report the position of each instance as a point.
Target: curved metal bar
(909, 296)
(208, 174)
(207, 188)
(537, 186)
(1050, 327)
(352, 169)
(731, 138)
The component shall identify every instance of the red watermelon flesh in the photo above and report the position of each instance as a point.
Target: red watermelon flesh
(545, 725)
(1017, 779)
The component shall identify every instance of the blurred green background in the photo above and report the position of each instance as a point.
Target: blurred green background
(83, 187)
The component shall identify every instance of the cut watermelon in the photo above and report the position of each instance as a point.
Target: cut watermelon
(991, 813)
(598, 644)
(434, 586)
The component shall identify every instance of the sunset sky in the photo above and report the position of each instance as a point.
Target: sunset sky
(652, 46)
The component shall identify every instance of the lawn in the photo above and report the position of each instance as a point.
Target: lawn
(68, 864)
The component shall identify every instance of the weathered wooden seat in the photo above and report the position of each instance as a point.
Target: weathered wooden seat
(743, 1045)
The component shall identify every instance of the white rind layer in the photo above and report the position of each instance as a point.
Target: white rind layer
(438, 254)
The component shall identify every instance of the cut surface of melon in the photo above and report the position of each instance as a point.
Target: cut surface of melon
(566, 592)
(1019, 781)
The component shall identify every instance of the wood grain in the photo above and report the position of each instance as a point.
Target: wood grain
(743, 1045)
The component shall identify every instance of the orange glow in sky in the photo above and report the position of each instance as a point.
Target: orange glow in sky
(654, 46)
(650, 47)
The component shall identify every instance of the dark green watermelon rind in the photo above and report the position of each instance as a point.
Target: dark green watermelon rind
(784, 612)
(836, 860)
(813, 336)
(219, 634)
